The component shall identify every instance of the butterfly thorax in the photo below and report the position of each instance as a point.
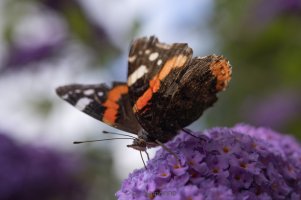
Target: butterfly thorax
(144, 141)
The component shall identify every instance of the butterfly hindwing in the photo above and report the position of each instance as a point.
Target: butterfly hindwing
(109, 105)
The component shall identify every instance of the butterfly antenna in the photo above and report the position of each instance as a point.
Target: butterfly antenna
(88, 141)
(168, 150)
(142, 160)
(107, 132)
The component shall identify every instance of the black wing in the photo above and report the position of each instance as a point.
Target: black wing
(168, 89)
(109, 105)
(150, 62)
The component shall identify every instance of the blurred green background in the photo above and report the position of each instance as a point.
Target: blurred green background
(48, 43)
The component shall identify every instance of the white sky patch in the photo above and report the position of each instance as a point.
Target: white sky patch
(137, 74)
(82, 103)
(153, 56)
(89, 92)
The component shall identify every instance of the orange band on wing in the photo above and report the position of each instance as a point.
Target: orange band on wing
(142, 101)
(154, 83)
(111, 104)
(110, 116)
(174, 62)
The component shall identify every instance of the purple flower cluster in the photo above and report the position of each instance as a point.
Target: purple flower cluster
(242, 162)
(31, 173)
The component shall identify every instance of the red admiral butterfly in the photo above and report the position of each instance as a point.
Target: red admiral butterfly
(166, 90)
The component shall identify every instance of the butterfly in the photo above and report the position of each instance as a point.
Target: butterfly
(166, 90)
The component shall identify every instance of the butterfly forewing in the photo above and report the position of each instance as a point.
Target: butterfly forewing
(109, 105)
(148, 65)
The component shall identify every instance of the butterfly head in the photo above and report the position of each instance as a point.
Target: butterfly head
(138, 144)
(141, 144)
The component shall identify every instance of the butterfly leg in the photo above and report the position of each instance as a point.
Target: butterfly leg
(147, 154)
(168, 150)
(142, 159)
(189, 133)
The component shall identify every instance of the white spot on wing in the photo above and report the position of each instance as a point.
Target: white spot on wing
(89, 92)
(147, 51)
(138, 73)
(159, 62)
(203, 57)
(132, 58)
(82, 103)
(78, 91)
(100, 94)
(153, 56)
(65, 96)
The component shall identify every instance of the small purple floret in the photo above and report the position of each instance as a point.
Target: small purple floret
(242, 162)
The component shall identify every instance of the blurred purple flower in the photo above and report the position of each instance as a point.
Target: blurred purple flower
(79, 25)
(18, 57)
(276, 110)
(31, 173)
(58, 5)
(265, 11)
(86, 29)
(242, 162)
